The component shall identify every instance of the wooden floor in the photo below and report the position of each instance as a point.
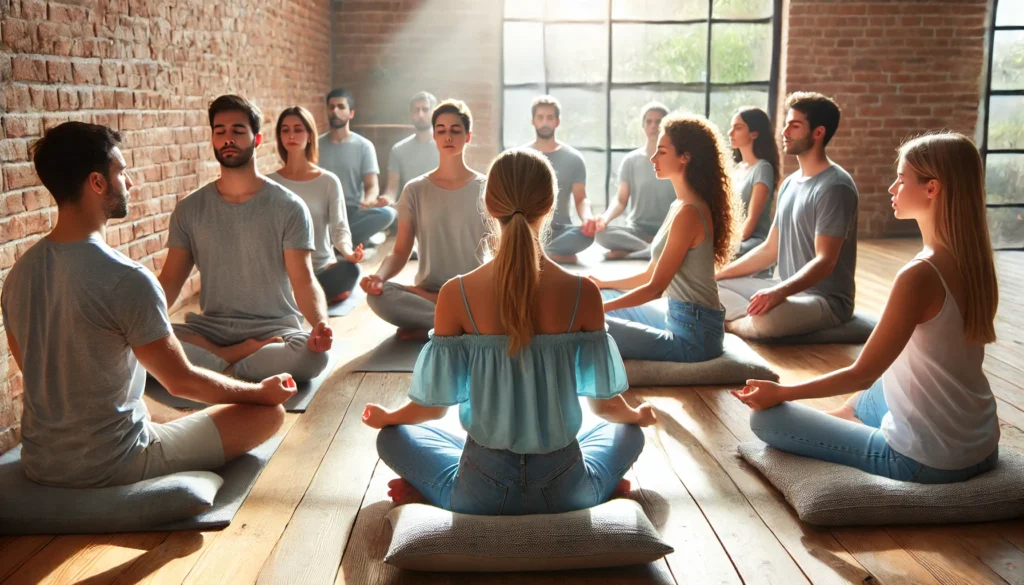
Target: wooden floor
(316, 514)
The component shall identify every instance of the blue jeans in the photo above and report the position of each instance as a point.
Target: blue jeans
(809, 432)
(567, 240)
(364, 223)
(686, 332)
(463, 476)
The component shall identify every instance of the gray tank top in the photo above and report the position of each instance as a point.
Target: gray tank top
(694, 282)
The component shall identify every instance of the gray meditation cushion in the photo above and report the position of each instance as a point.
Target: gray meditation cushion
(736, 365)
(829, 494)
(616, 533)
(27, 507)
(857, 330)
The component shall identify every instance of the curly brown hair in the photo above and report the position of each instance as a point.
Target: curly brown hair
(706, 173)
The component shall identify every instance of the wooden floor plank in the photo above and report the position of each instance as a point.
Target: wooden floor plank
(883, 557)
(943, 556)
(310, 549)
(170, 562)
(15, 550)
(992, 549)
(361, 563)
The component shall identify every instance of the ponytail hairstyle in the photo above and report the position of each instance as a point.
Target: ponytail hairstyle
(706, 173)
(520, 193)
(961, 224)
(765, 147)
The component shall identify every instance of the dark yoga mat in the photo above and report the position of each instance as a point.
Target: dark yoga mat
(297, 403)
(345, 307)
(392, 355)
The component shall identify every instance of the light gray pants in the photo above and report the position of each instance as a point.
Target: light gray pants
(402, 308)
(567, 240)
(291, 357)
(633, 239)
(799, 314)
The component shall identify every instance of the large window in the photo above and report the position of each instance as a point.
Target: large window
(605, 59)
(1003, 143)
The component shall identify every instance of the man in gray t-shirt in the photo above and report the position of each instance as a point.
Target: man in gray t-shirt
(353, 159)
(647, 196)
(83, 320)
(417, 154)
(252, 241)
(813, 239)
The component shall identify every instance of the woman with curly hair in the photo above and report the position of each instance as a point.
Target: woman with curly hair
(695, 239)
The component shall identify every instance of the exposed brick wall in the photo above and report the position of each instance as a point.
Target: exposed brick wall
(387, 50)
(896, 68)
(148, 68)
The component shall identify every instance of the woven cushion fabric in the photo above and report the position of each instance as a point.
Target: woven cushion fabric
(737, 364)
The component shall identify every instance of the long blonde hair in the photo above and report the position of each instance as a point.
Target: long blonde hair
(960, 223)
(520, 191)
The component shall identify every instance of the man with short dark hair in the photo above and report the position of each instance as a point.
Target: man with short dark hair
(352, 158)
(813, 238)
(413, 155)
(252, 241)
(84, 324)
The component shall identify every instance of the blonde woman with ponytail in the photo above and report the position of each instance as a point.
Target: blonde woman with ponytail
(930, 417)
(515, 343)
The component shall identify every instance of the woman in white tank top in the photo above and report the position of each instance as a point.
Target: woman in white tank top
(931, 416)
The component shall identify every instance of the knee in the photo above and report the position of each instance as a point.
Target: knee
(633, 440)
(388, 441)
(310, 365)
(764, 422)
(268, 419)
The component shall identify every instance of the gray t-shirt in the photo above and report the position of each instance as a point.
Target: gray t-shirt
(239, 250)
(823, 204)
(450, 228)
(570, 168)
(323, 198)
(411, 158)
(76, 310)
(349, 160)
(649, 196)
(761, 173)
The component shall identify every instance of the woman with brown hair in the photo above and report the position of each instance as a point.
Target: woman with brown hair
(320, 189)
(695, 239)
(516, 342)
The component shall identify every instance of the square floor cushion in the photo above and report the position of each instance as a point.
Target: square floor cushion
(856, 330)
(736, 365)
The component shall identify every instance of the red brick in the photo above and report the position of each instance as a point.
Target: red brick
(86, 72)
(59, 71)
(18, 126)
(18, 34)
(25, 68)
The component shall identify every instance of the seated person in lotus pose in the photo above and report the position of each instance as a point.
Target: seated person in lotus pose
(443, 212)
(252, 241)
(813, 239)
(695, 238)
(516, 342)
(83, 320)
(320, 190)
(756, 175)
(648, 196)
(928, 414)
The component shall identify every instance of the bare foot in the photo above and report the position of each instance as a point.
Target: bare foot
(569, 259)
(406, 334)
(402, 492)
(339, 298)
(622, 490)
(615, 254)
(238, 352)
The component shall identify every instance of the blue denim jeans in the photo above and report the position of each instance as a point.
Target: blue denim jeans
(809, 432)
(463, 476)
(364, 223)
(567, 240)
(685, 332)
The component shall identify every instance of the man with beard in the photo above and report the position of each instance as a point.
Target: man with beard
(353, 159)
(565, 239)
(813, 238)
(252, 241)
(414, 155)
(83, 320)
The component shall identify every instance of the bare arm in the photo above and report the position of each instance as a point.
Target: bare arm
(399, 256)
(618, 205)
(370, 189)
(391, 192)
(579, 194)
(755, 260)
(308, 294)
(826, 255)
(758, 200)
(177, 267)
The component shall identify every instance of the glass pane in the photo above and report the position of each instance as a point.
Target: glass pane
(596, 185)
(741, 52)
(1010, 13)
(659, 9)
(577, 53)
(1006, 122)
(576, 9)
(524, 9)
(1006, 226)
(524, 52)
(584, 117)
(659, 53)
(627, 127)
(743, 8)
(1004, 178)
(1008, 60)
(516, 126)
(725, 102)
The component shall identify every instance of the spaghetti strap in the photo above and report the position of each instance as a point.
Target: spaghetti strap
(579, 287)
(936, 269)
(465, 301)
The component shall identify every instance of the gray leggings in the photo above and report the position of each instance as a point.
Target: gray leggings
(291, 357)
(633, 239)
(799, 314)
(402, 308)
